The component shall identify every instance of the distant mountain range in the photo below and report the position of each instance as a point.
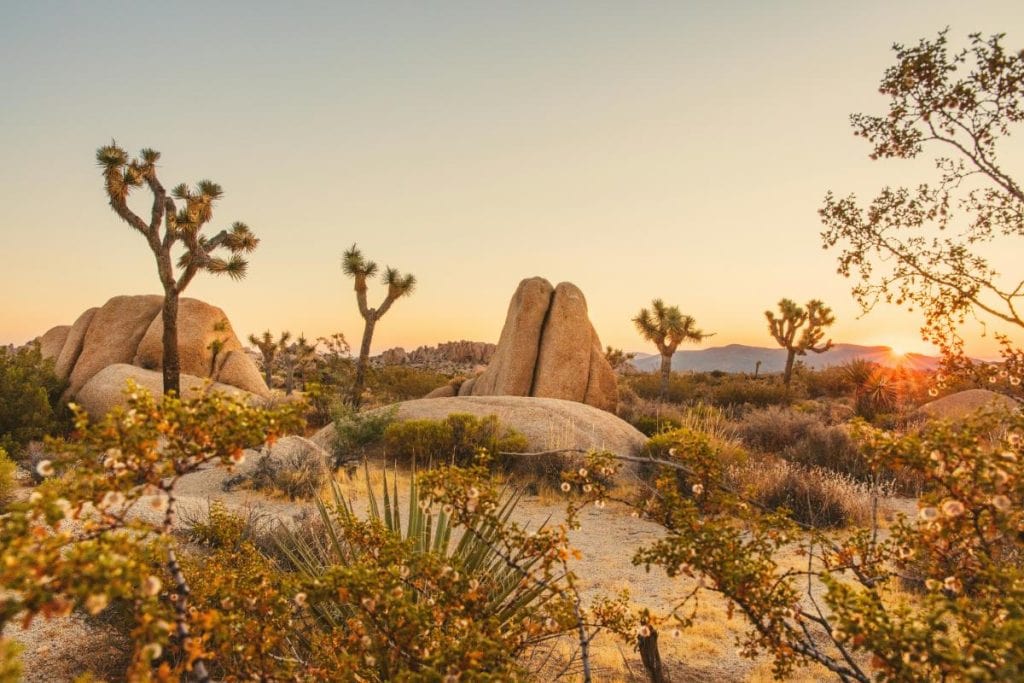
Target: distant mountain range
(740, 358)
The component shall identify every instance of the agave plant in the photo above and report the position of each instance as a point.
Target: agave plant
(478, 553)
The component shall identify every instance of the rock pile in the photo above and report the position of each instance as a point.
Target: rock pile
(453, 354)
(548, 349)
(128, 330)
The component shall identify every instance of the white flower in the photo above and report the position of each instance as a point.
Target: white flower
(301, 599)
(698, 489)
(151, 586)
(566, 486)
(583, 472)
(1001, 503)
(952, 508)
(45, 468)
(152, 651)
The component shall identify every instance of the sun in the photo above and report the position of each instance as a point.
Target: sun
(897, 351)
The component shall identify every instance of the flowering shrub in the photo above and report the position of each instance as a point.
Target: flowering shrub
(80, 542)
(842, 609)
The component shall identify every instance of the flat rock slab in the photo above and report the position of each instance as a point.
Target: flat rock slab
(547, 423)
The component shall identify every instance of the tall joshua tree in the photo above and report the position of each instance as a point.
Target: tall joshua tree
(667, 328)
(168, 225)
(359, 269)
(809, 323)
(269, 349)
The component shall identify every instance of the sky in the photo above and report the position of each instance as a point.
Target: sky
(639, 150)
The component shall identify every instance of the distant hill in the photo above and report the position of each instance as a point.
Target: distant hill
(740, 358)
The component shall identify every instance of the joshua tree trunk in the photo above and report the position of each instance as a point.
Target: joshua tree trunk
(171, 363)
(651, 658)
(790, 357)
(666, 373)
(364, 360)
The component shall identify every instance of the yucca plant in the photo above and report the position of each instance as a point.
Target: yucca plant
(479, 553)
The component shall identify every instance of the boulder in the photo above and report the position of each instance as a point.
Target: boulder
(72, 347)
(113, 336)
(510, 372)
(466, 388)
(563, 362)
(53, 340)
(240, 370)
(129, 330)
(105, 389)
(547, 423)
(548, 349)
(963, 403)
(204, 338)
(445, 391)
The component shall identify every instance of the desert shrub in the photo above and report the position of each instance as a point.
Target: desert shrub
(7, 482)
(773, 429)
(829, 447)
(681, 388)
(29, 398)
(831, 382)
(296, 473)
(393, 383)
(810, 495)
(741, 391)
(456, 439)
(356, 432)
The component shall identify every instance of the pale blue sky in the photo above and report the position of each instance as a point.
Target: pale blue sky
(640, 150)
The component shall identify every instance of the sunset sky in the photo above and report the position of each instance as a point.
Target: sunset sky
(675, 150)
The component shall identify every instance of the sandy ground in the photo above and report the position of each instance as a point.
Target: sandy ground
(60, 649)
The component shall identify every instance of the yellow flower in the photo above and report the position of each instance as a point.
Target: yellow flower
(96, 603)
(151, 586)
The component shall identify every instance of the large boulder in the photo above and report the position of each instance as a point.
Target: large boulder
(105, 389)
(113, 336)
(510, 372)
(129, 330)
(205, 338)
(547, 423)
(548, 349)
(963, 403)
(72, 348)
(53, 340)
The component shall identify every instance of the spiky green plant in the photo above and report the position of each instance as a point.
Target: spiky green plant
(355, 265)
(667, 327)
(477, 553)
(168, 225)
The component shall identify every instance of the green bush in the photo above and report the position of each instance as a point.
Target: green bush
(741, 391)
(7, 482)
(393, 383)
(29, 398)
(455, 439)
(355, 433)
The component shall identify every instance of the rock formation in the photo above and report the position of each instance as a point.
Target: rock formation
(547, 424)
(964, 403)
(548, 349)
(127, 330)
(105, 389)
(453, 356)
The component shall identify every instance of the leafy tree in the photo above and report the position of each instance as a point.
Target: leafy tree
(359, 269)
(269, 349)
(809, 323)
(168, 226)
(926, 246)
(29, 397)
(667, 328)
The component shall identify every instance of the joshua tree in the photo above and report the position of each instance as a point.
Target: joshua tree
(168, 225)
(810, 323)
(667, 328)
(617, 358)
(358, 268)
(268, 349)
(296, 358)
